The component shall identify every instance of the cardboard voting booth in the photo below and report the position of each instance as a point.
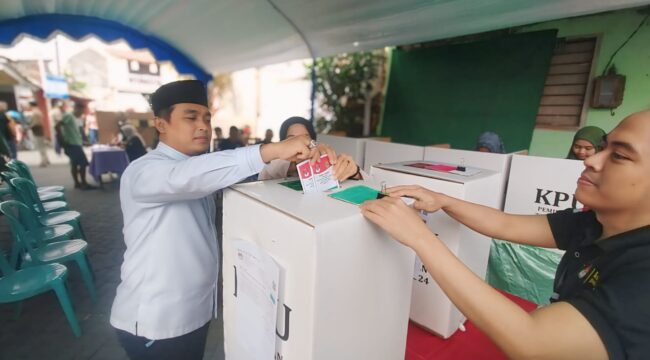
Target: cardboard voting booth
(537, 185)
(430, 307)
(344, 286)
(381, 152)
(499, 163)
(354, 147)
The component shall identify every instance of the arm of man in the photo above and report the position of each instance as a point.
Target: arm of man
(194, 178)
(199, 176)
(558, 331)
(522, 229)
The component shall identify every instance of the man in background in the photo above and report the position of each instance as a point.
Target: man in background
(72, 146)
(36, 125)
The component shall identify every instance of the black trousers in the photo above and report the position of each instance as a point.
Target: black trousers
(190, 346)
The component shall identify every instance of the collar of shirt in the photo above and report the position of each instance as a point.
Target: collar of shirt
(171, 152)
(632, 238)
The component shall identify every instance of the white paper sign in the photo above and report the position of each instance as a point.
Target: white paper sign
(256, 289)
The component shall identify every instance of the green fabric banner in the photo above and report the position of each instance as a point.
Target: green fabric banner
(451, 94)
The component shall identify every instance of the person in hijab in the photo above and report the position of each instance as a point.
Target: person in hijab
(133, 142)
(490, 142)
(344, 168)
(586, 142)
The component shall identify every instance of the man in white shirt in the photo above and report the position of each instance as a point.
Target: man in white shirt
(167, 295)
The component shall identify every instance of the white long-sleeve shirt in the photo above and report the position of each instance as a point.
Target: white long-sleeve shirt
(170, 267)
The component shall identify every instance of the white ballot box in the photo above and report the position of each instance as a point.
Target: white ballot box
(540, 185)
(381, 152)
(499, 163)
(354, 147)
(344, 285)
(430, 307)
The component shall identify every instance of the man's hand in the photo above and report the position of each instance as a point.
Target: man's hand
(296, 148)
(322, 149)
(398, 220)
(425, 199)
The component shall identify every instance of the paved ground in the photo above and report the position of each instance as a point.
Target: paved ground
(42, 332)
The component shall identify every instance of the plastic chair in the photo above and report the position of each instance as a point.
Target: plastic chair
(27, 195)
(22, 170)
(44, 234)
(19, 285)
(39, 252)
(43, 196)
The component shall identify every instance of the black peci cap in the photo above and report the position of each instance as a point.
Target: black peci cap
(177, 92)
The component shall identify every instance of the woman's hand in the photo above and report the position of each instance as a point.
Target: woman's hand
(323, 149)
(425, 199)
(398, 220)
(345, 167)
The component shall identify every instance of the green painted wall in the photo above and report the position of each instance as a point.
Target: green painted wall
(633, 61)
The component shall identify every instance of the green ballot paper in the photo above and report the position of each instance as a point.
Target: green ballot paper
(356, 194)
(292, 184)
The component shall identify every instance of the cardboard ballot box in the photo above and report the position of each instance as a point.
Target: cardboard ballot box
(499, 163)
(344, 285)
(355, 147)
(381, 152)
(430, 307)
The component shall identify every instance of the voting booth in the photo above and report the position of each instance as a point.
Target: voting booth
(381, 152)
(355, 147)
(537, 185)
(344, 286)
(499, 163)
(430, 307)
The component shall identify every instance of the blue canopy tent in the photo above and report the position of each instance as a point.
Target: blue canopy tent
(201, 37)
(205, 36)
(79, 26)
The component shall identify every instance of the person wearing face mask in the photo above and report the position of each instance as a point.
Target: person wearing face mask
(344, 168)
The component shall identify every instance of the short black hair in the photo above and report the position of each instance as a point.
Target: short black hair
(166, 113)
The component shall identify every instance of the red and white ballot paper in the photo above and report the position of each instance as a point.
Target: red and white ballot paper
(318, 176)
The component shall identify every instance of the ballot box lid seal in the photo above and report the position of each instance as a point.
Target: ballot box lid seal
(438, 170)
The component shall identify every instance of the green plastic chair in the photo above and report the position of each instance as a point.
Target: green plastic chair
(22, 170)
(44, 234)
(43, 196)
(18, 285)
(26, 192)
(38, 252)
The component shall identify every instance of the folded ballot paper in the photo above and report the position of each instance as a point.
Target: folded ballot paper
(318, 176)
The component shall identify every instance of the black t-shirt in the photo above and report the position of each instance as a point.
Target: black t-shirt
(607, 280)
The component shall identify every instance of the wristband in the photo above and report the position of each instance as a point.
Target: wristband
(356, 173)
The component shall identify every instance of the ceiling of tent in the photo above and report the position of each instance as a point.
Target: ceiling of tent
(224, 35)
